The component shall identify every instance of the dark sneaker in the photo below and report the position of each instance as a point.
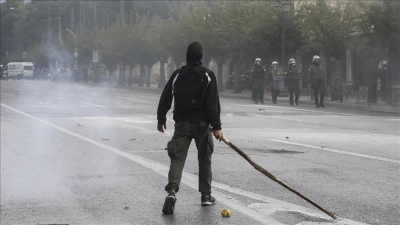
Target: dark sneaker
(169, 204)
(207, 200)
(322, 105)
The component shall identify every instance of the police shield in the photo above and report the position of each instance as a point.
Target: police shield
(278, 82)
(297, 78)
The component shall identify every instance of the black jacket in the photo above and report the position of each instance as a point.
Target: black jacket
(210, 110)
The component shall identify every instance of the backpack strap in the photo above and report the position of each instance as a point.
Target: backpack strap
(202, 70)
(173, 83)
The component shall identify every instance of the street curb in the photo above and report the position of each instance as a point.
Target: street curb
(370, 107)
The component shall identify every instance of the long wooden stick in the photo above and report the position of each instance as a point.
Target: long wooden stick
(268, 174)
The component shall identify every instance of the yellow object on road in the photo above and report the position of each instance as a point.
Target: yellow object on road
(226, 213)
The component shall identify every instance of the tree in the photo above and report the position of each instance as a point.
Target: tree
(379, 36)
(329, 27)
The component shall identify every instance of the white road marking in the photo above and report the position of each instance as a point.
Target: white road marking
(139, 121)
(60, 98)
(278, 117)
(146, 131)
(188, 179)
(397, 119)
(100, 106)
(169, 119)
(18, 89)
(229, 114)
(36, 93)
(321, 112)
(338, 151)
(192, 181)
(9, 94)
(138, 100)
(4, 86)
(306, 110)
(127, 98)
(44, 103)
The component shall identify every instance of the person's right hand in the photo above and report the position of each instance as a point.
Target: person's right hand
(218, 134)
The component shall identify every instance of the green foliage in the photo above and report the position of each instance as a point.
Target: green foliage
(37, 55)
(329, 26)
(155, 30)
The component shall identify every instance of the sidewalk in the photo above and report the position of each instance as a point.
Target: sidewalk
(380, 106)
(306, 99)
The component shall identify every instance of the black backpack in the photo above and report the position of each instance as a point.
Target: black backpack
(189, 88)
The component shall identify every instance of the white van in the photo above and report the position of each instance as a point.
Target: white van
(19, 70)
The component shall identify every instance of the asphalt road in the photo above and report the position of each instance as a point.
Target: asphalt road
(79, 154)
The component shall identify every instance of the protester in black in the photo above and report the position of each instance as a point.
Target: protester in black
(196, 109)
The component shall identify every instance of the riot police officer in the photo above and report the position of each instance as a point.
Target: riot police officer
(275, 80)
(293, 78)
(317, 79)
(257, 73)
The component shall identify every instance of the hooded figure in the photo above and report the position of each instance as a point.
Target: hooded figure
(196, 110)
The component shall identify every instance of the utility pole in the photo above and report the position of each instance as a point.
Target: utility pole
(285, 7)
(95, 64)
(388, 79)
(36, 24)
(121, 20)
(49, 24)
(72, 20)
(122, 11)
(84, 24)
(95, 18)
(59, 30)
(80, 17)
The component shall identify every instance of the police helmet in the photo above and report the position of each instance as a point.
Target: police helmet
(274, 64)
(316, 58)
(292, 61)
(257, 61)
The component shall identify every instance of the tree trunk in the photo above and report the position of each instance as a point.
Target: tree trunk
(161, 81)
(219, 76)
(148, 77)
(237, 72)
(119, 74)
(130, 79)
(206, 61)
(373, 85)
(123, 75)
(141, 75)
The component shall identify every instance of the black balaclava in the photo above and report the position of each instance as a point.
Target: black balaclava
(194, 53)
